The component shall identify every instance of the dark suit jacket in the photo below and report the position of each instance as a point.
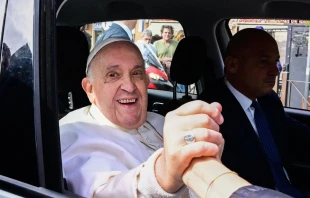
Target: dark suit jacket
(115, 31)
(243, 152)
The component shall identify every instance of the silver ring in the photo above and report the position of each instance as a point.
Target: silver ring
(189, 138)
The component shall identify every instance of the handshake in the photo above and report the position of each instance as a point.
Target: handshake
(192, 152)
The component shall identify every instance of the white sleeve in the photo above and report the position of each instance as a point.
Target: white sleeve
(147, 182)
(85, 175)
(137, 183)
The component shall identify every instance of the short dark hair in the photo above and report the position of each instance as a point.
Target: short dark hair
(167, 27)
(147, 32)
(242, 39)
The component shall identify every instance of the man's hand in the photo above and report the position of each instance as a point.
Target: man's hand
(196, 118)
(167, 59)
(168, 64)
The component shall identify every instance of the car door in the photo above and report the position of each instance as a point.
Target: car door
(18, 144)
(29, 148)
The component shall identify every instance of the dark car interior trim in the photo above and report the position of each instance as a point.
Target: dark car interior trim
(26, 190)
(48, 97)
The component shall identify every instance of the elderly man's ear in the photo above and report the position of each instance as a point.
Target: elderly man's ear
(231, 64)
(88, 88)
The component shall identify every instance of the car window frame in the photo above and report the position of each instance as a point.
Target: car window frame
(2, 26)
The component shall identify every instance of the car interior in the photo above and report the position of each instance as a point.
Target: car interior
(63, 52)
(190, 53)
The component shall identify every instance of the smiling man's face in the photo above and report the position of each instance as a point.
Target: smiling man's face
(118, 84)
(167, 34)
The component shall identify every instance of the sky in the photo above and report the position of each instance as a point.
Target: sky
(18, 24)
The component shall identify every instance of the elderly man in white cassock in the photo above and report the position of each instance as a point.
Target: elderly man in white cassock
(115, 148)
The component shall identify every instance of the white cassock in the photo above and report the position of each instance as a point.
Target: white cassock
(101, 159)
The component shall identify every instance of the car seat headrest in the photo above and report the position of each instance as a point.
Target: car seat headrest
(72, 53)
(189, 59)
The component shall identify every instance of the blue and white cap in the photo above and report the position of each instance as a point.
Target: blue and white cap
(99, 46)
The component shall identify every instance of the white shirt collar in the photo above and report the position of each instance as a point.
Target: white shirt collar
(97, 115)
(127, 30)
(244, 101)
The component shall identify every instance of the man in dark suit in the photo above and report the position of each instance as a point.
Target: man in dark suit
(256, 130)
(119, 29)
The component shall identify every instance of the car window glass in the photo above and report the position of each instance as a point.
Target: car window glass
(292, 84)
(157, 70)
(16, 94)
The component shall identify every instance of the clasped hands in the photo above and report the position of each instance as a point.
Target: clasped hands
(197, 119)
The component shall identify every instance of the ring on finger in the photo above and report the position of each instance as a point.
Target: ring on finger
(189, 138)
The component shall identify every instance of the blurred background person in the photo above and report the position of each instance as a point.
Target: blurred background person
(147, 50)
(147, 36)
(166, 46)
(179, 35)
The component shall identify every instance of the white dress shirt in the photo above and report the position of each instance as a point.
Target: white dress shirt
(127, 30)
(245, 103)
(94, 151)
